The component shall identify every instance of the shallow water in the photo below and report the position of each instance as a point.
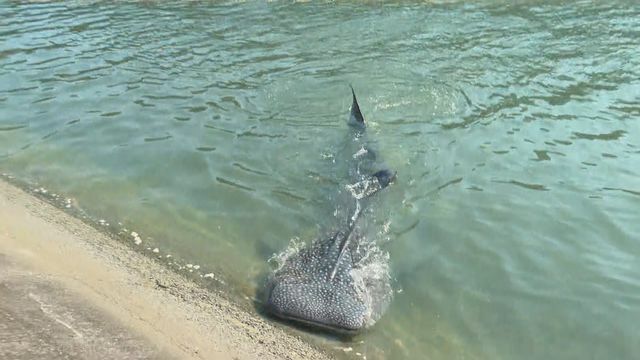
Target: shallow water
(211, 130)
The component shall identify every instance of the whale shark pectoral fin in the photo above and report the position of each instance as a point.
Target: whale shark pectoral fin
(356, 117)
(372, 184)
(385, 177)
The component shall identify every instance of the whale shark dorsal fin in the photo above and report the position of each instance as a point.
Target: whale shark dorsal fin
(356, 117)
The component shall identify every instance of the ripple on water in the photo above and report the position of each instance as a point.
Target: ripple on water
(159, 138)
(614, 135)
(234, 184)
(13, 127)
(206, 148)
(249, 170)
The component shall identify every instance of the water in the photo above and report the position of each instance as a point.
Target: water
(210, 128)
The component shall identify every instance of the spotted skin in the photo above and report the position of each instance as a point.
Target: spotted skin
(303, 290)
(316, 286)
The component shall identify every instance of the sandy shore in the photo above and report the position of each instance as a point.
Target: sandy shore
(68, 291)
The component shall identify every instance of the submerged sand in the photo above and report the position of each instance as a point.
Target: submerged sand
(68, 291)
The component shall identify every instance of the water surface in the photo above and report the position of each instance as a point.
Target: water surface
(211, 130)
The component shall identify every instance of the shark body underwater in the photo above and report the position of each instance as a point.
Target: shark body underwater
(339, 282)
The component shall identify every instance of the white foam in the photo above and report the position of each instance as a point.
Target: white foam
(279, 259)
(364, 188)
(371, 274)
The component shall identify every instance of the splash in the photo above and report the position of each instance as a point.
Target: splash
(277, 261)
(372, 280)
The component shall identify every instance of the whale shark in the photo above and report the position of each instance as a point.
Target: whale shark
(339, 282)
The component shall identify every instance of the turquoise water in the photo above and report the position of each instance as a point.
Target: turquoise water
(211, 130)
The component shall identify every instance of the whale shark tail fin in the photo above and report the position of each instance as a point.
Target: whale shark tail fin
(356, 118)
